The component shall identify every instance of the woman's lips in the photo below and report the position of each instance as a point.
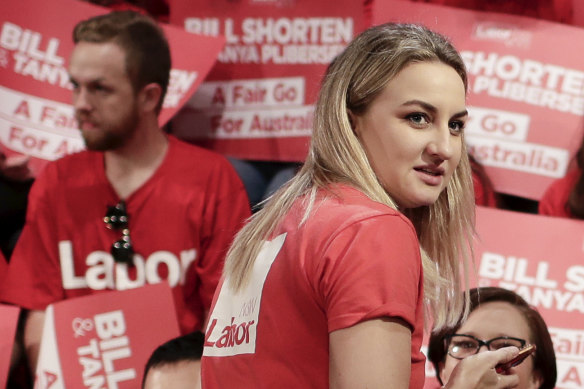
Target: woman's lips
(430, 176)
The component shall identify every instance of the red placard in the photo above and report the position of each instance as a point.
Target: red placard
(257, 102)
(526, 90)
(8, 323)
(36, 117)
(104, 340)
(541, 259)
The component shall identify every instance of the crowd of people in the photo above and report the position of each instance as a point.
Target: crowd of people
(387, 158)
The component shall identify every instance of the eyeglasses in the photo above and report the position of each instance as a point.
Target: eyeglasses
(461, 346)
(116, 218)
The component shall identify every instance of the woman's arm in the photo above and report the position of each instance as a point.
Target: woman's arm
(372, 354)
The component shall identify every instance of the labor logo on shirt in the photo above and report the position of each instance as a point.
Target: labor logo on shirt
(234, 320)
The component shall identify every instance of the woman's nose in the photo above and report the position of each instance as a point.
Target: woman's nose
(443, 144)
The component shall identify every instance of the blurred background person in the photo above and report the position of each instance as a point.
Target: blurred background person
(565, 196)
(483, 187)
(180, 204)
(498, 318)
(175, 364)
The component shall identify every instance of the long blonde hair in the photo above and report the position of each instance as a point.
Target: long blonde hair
(352, 81)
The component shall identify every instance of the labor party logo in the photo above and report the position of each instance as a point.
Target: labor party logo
(234, 320)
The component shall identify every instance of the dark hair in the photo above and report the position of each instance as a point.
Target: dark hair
(143, 41)
(184, 348)
(544, 360)
(576, 200)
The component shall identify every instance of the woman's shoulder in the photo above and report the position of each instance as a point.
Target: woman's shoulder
(343, 205)
(563, 185)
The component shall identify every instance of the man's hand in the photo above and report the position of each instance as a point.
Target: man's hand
(33, 330)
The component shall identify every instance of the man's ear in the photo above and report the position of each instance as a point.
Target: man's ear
(149, 97)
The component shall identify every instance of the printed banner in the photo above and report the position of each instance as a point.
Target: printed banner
(104, 340)
(8, 322)
(257, 102)
(526, 91)
(541, 259)
(36, 117)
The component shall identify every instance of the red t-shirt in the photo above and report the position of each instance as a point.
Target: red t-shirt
(353, 260)
(181, 223)
(555, 199)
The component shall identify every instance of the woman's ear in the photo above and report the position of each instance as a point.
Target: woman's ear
(351, 117)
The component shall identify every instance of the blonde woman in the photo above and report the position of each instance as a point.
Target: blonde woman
(327, 285)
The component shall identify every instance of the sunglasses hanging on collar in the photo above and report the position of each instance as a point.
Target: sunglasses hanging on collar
(117, 218)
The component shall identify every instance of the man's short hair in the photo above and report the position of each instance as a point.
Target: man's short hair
(184, 348)
(143, 41)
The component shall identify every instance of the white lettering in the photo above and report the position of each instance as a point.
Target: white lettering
(99, 274)
(103, 273)
(171, 262)
(123, 280)
(113, 346)
(110, 324)
(70, 280)
(575, 276)
(526, 80)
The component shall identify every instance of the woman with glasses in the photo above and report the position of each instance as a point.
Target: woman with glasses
(498, 318)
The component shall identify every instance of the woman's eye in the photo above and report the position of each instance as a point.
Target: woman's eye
(419, 119)
(466, 345)
(456, 127)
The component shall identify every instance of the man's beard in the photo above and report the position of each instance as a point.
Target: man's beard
(112, 136)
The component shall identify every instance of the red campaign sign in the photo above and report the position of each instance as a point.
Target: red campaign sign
(541, 259)
(257, 102)
(8, 323)
(36, 117)
(104, 340)
(526, 91)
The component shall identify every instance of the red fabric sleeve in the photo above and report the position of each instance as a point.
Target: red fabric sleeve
(372, 269)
